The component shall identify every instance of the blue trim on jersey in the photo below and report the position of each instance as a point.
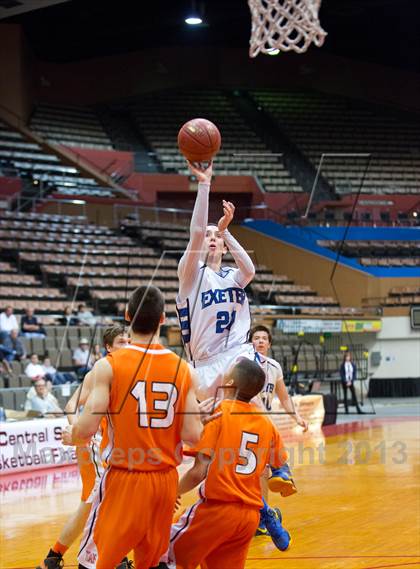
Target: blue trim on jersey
(224, 272)
(185, 322)
(183, 312)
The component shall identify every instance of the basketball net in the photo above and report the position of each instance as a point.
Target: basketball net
(287, 25)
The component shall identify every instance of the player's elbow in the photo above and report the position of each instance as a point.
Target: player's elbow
(251, 274)
(191, 433)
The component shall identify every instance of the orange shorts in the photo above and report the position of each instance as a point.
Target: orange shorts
(213, 535)
(130, 510)
(91, 470)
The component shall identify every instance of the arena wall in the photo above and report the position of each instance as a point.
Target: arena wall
(88, 82)
(399, 346)
(352, 286)
(15, 78)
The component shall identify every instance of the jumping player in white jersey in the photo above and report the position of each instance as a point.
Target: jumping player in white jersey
(212, 304)
(261, 339)
(214, 313)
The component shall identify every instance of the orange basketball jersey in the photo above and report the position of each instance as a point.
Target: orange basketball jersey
(147, 402)
(241, 443)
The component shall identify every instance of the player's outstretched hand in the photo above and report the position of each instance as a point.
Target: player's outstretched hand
(302, 423)
(66, 435)
(208, 410)
(202, 174)
(228, 211)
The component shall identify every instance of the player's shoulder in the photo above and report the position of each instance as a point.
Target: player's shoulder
(273, 363)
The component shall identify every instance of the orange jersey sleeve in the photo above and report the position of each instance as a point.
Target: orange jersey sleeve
(147, 401)
(240, 443)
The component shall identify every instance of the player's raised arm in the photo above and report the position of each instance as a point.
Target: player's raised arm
(189, 265)
(287, 402)
(246, 269)
(95, 408)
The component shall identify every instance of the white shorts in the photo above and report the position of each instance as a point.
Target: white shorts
(211, 371)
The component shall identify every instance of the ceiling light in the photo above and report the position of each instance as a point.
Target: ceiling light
(193, 20)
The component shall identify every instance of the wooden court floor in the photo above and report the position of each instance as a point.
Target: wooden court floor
(358, 505)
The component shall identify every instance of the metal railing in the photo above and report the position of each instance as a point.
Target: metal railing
(141, 213)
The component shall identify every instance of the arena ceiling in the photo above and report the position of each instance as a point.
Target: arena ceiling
(380, 31)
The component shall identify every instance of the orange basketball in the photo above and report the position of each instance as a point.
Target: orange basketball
(199, 140)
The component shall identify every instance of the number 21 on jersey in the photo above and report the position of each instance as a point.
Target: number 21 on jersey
(224, 321)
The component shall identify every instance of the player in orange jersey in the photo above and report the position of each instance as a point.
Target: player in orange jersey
(148, 395)
(232, 454)
(88, 458)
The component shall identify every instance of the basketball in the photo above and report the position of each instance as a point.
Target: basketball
(199, 140)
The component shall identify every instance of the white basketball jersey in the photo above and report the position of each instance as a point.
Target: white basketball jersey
(215, 317)
(272, 370)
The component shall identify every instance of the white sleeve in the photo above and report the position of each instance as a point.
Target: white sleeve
(246, 269)
(189, 265)
(279, 370)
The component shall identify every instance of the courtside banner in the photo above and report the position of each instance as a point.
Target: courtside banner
(308, 326)
(30, 445)
(34, 483)
(310, 407)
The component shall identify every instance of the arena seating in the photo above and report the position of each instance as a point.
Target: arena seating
(20, 157)
(70, 126)
(45, 259)
(369, 248)
(378, 253)
(160, 115)
(403, 296)
(320, 123)
(266, 287)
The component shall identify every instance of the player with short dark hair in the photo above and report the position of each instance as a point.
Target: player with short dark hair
(88, 457)
(148, 395)
(230, 458)
(144, 309)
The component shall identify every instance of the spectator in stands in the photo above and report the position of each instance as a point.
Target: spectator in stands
(4, 365)
(68, 318)
(82, 358)
(85, 317)
(43, 401)
(8, 320)
(348, 374)
(56, 377)
(29, 325)
(34, 369)
(12, 347)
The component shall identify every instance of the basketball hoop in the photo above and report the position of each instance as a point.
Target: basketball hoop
(286, 25)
